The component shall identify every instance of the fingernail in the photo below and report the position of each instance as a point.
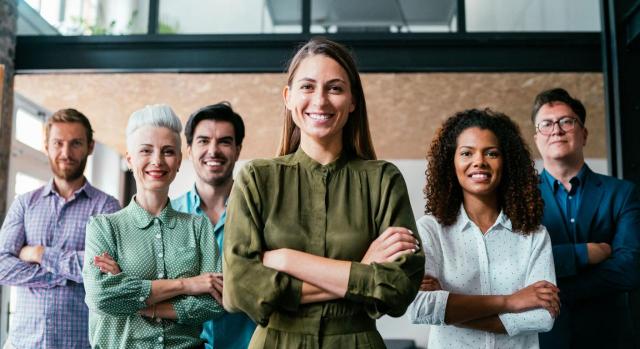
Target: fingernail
(413, 250)
(417, 248)
(410, 232)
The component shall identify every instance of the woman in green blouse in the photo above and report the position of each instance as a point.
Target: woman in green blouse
(318, 241)
(148, 270)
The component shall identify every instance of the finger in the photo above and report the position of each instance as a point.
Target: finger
(217, 296)
(394, 257)
(401, 236)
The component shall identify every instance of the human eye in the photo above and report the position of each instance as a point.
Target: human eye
(202, 141)
(545, 124)
(306, 87)
(465, 153)
(336, 89)
(493, 153)
(145, 151)
(567, 122)
(168, 151)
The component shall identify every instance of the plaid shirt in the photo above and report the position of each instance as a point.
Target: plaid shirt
(51, 312)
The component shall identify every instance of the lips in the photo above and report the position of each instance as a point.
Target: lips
(156, 174)
(214, 163)
(479, 176)
(319, 116)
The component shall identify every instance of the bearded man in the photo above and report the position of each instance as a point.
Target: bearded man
(42, 242)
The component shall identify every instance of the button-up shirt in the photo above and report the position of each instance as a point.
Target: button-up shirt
(499, 262)
(172, 245)
(569, 203)
(50, 310)
(232, 330)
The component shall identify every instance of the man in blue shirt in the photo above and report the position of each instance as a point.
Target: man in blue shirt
(214, 139)
(594, 224)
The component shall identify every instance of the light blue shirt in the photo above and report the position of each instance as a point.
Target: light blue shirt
(232, 330)
(499, 262)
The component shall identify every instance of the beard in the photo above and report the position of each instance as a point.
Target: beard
(69, 173)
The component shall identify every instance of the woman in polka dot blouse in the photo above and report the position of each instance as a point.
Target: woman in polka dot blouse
(489, 275)
(148, 269)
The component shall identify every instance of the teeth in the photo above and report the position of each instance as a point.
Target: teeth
(319, 116)
(213, 163)
(480, 176)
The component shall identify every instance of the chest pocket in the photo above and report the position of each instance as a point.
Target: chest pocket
(183, 262)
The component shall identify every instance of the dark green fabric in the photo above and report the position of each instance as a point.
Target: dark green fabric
(334, 211)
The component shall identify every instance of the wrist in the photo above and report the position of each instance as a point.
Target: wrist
(505, 304)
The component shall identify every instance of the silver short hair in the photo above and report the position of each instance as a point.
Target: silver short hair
(156, 115)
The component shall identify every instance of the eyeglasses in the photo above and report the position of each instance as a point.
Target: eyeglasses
(566, 124)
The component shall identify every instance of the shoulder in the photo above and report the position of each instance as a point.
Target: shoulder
(29, 198)
(613, 182)
(380, 166)
(428, 226)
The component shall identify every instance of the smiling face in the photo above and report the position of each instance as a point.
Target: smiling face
(319, 99)
(214, 151)
(67, 149)
(478, 162)
(560, 145)
(154, 157)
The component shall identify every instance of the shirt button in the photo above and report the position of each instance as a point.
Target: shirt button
(141, 299)
(158, 320)
(158, 236)
(570, 197)
(573, 220)
(160, 254)
(160, 339)
(160, 275)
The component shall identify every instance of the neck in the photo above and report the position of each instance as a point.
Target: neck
(482, 210)
(66, 188)
(152, 201)
(213, 197)
(565, 169)
(323, 153)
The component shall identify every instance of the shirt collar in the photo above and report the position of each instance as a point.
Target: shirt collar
(576, 182)
(463, 222)
(144, 219)
(86, 188)
(301, 157)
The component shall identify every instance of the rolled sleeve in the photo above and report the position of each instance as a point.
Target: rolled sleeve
(582, 255)
(429, 307)
(532, 321)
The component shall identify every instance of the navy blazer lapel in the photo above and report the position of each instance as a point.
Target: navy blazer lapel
(589, 203)
(552, 219)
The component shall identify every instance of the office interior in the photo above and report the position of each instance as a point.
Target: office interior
(420, 60)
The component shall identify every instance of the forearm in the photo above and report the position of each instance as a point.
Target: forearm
(488, 324)
(163, 310)
(67, 264)
(464, 308)
(314, 294)
(15, 272)
(162, 290)
(332, 274)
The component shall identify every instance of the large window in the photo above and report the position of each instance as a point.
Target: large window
(123, 17)
(532, 16)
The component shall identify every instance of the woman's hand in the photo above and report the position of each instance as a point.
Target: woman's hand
(106, 264)
(206, 283)
(430, 284)
(390, 245)
(541, 294)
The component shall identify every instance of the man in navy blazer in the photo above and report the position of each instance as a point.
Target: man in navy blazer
(594, 224)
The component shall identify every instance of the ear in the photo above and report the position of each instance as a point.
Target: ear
(285, 96)
(586, 133)
(91, 146)
(239, 150)
(352, 107)
(127, 157)
(189, 152)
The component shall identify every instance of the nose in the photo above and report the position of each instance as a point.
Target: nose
(66, 149)
(479, 160)
(156, 158)
(556, 129)
(213, 148)
(319, 98)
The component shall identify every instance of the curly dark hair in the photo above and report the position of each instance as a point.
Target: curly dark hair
(518, 192)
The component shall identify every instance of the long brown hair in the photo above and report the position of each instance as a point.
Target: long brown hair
(356, 138)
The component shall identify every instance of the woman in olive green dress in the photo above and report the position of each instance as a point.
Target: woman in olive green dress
(318, 241)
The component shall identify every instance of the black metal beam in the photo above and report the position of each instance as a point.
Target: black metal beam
(154, 15)
(461, 19)
(446, 52)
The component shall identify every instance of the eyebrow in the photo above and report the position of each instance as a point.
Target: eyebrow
(328, 82)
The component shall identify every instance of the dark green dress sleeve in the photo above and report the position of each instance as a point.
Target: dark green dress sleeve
(389, 288)
(249, 286)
